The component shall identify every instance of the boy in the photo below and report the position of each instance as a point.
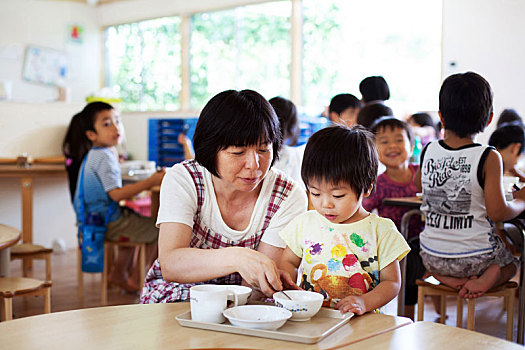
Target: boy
(509, 140)
(339, 249)
(343, 109)
(463, 196)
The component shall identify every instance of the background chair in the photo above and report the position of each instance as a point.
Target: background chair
(109, 248)
(27, 252)
(16, 286)
(507, 291)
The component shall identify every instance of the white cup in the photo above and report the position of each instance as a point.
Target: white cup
(208, 301)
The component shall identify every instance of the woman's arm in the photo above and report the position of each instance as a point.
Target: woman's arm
(189, 265)
(383, 293)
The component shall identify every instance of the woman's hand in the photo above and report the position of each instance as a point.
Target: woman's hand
(258, 270)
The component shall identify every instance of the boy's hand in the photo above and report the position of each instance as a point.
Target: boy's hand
(287, 281)
(157, 177)
(352, 303)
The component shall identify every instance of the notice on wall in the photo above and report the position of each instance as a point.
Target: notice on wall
(45, 66)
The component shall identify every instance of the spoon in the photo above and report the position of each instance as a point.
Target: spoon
(286, 295)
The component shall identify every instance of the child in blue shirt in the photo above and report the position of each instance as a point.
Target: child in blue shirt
(102, 185)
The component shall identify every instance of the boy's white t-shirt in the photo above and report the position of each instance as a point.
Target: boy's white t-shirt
(178, 203)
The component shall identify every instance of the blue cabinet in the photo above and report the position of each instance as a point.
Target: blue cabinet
(163, 147)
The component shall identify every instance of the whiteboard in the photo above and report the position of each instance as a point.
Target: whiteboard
(45, 66)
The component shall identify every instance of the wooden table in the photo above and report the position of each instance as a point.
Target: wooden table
(434, 336)
(155, 327)
(26, 176)
(8, 237)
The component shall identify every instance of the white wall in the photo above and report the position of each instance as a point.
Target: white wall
(30, 123)
(45, 23)
(486, 36)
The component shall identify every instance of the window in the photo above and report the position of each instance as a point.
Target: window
(244, 48)
(346, 41)
(143, 64)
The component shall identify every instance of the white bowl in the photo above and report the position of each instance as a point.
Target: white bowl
(257, 316)
(242, 292)
(304, 304)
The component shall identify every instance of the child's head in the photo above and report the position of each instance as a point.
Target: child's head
(288, 120)
(509, 140)
(465, 104)
(372, 112)
(374, 88)
(421, 119)
(394, 141)
(339, 169)
(508, 116)
(343, 109)
(100, 124)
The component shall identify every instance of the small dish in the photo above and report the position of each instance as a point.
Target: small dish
(304, 304)
(242, 292)
(257, 316)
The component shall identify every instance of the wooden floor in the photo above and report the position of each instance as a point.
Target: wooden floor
(490, 317)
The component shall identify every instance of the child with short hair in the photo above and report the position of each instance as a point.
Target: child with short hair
(342, 251)
(509, 140)
(463, 196)
(395, 143)
(343, 109)
(102, 185)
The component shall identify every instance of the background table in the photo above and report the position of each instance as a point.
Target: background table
(155, 327)
(27, 175)
(8, 237)
(434, 336)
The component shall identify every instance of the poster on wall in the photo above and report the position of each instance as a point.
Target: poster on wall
(45, 66)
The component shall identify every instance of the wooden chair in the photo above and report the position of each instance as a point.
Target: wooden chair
(109, 248)
(27, 252)
(506, 290)
(15, 286)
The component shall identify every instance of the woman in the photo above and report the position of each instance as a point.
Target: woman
(227, 197)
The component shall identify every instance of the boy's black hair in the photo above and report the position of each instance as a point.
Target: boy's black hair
(234, 118)
(374, 88)
(76, 143)
(338, 154)
(465, 103)
(288, 119)
(372, 112)
(507, 134)
(340, 102)
(393, 123)
(508, 115)
(424, 119)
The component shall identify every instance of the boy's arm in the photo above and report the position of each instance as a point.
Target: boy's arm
(417, 180)
(498, 209)
(384, 292)
(289, 263)
(128, 191)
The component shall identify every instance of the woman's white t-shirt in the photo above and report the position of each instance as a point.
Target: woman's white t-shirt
(178, 203)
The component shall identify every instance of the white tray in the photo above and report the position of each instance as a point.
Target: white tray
(317, 328)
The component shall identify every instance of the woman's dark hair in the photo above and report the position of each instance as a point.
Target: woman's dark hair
(76, 144)
(341, 102)
(234, 118)
(338, 154)
(372, 112)
(465, 103)
(374, 88)
(508, 116)
(392, 123)
(287, 114)
(507, 134)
